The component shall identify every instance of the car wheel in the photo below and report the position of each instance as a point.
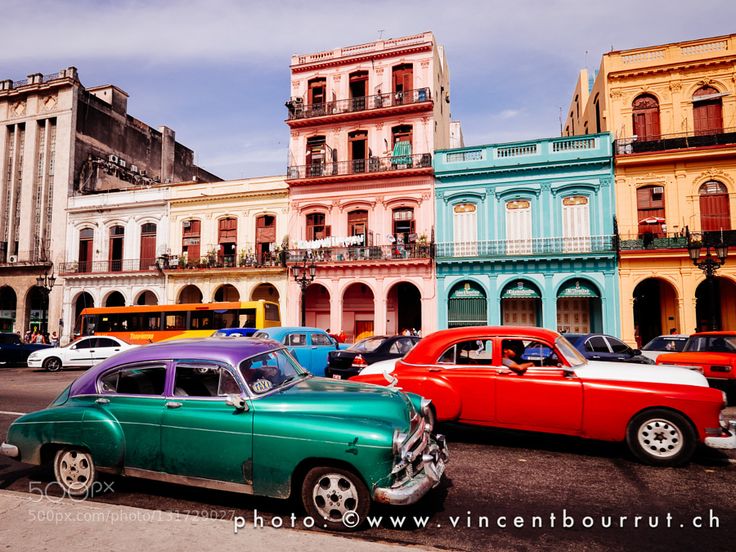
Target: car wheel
(52, 364)
(75, 471)
(661, 438)
(335, 498)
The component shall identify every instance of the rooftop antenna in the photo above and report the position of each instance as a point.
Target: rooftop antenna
(560, 118)
(380, 34)
(586, 59)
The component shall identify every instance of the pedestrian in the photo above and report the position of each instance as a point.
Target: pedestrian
(341, 337)
(27, 336)
(54, 340)
(673, 331)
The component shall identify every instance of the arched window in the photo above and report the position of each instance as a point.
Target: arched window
(358, 224)
(402, 82)
(227, 240)
(465, 229)
(316, 227)
(265, 236)
(650, 211)
(148, 245)
(646, 117)
(190, 241)
(707, 111)
(518, 227)
(576, 223)
(715, 210)
(117, 235)
(86, 242)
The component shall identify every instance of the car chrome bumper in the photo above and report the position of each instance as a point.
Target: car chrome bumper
(726, 441)
(410, 490)
(33, 363)
(9, 450)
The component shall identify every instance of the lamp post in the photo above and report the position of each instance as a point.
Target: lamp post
(304, 274)
(709, 264)
(45, 283)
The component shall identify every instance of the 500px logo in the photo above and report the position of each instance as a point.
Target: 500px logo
(53, 492)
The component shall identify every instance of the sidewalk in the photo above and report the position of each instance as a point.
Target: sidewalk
(31, 522)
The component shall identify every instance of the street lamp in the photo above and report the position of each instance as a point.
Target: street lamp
(45, 282)
(709, 264)
(304, 274)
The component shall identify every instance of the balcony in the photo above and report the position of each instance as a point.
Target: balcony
(107, 267)
(505, 249)
(372, 253)
(393, 166)
(676, 141)
(301, 114)
(638, 242)
(244, 260)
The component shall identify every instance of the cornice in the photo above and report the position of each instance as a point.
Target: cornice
(229, 197)
(370, 56)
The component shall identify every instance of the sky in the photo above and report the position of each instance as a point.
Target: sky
(217, 71)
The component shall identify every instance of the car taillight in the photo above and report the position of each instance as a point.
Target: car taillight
(359, 362)
(720, 368)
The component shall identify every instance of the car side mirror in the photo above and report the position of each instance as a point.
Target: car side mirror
(635, 351)
(237, 402)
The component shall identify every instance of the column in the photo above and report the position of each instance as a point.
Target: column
(379, 310)
(335, 309)
(549, 303)
(26, 226)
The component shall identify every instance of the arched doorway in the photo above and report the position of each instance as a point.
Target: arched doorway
(147, 298)
(655, 310)
(358, 308)
(82, 301)
(403, 308)
(8, 304)
(467, 305)
(36, 309)
(227, 292)
(716, 312)
(317, 301)
(579, 307)
(115, 299)
(267, 292)
(190, 294)
(521, 304)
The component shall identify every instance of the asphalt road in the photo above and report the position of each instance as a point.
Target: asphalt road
(542, 483)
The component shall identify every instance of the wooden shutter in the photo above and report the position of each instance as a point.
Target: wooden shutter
(148, 246)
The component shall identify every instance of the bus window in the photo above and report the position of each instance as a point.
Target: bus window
(103, 324)
(272, 312)
(89, 322)
(201, 320)
(226, 319)
(248, 318)
(175, 321)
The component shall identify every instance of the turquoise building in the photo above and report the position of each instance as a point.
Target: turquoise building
(525, 235)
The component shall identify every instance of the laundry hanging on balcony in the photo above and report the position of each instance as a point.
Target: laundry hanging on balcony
(402, 153)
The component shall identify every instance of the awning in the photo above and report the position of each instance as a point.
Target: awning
(706, 97)
(520, 290)
(652, 220)
(578, 289)
(402, 153)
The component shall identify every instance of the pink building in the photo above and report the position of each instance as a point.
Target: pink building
(364, 122)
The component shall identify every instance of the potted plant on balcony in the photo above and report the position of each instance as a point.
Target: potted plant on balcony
(422, 245)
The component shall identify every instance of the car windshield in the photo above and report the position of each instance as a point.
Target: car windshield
(665, 343)
(270, 370)
(570, 353)
(368, 345)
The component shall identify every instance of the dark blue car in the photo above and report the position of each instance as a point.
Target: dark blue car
(593, 347)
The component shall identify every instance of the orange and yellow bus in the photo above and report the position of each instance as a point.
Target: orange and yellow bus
(142, 324)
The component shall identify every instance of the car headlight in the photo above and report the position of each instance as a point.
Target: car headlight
(33, 356)
(398, 441)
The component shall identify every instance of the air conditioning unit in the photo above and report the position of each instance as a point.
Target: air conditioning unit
(112, 158)
(134, 168)
(658, 190)
(122, 163)
(187, 224)
(12, 259)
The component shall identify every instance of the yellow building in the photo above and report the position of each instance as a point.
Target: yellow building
(672, 111)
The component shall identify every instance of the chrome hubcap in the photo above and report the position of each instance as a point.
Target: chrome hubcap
(660, 438)
(75, 470)
(334, 495)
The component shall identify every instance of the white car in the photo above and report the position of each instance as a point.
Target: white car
(381, 367)
(82, 353)
(672, 343)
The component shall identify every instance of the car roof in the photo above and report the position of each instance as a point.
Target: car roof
(434, 344)
(214, 349)
(723, 333)
(277, 330)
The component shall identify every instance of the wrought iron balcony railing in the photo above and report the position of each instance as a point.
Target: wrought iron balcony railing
(680, 140)
(529, 247)
(299, 110)
(360, 166)
(103, 267)
(652, 240)
(270, 259)
(393, 252)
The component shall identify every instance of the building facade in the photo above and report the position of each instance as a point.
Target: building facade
(525, 235)
(672, 109)
(364, 121)
(59, 139)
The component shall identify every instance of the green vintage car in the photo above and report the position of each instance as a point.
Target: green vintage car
(238, 415)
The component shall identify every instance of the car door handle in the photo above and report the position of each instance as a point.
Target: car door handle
(596, 356)
(102, 400)
(314, 346)
(173, 404)
(435, 369)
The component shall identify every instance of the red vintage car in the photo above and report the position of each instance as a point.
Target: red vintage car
(714, 354)
(475, 376)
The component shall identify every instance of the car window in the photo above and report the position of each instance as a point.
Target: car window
(269, 370)
(596, 345)
(401, 346)
(722, 344)
(656, 344)
(296, 340)
(368, 345)
(134, 380)
(321, 339)
(570, 353)
(617, 346)
(204, 380)
(261, 335)
(476, 352)
(85, 343)
(697, 343)
(105, 342)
